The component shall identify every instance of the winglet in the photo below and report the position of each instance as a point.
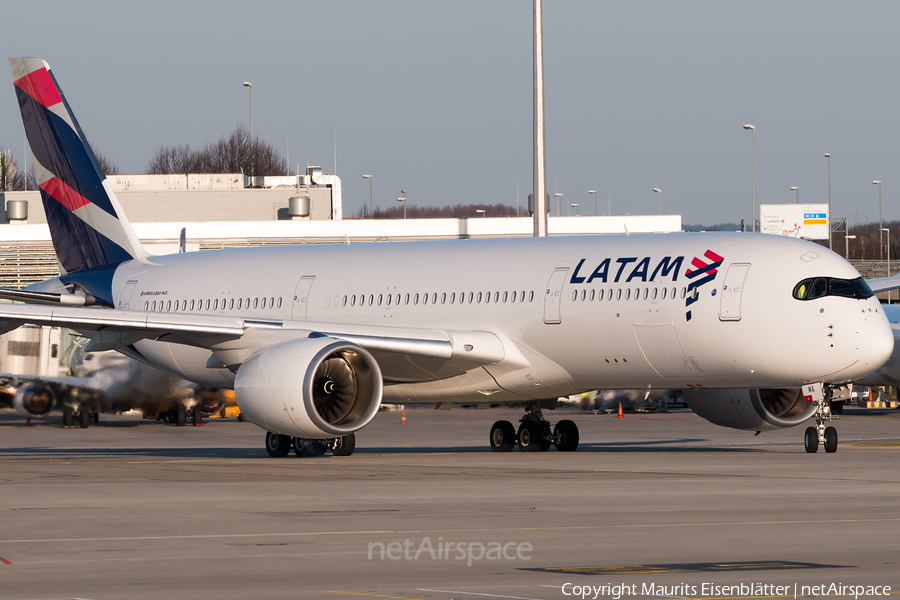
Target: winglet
(87, 224)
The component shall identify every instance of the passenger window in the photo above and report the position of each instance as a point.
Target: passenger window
(146, 304)
(479, 297)
(452, 297)
(379, 299)
(619, 294)
(664, 293)
(343, 303)
(388, 299)
(574, 295)
(371, 299)
(444, 298)
(416, 299)
(471, 297)
(406, 300)
(256, 302)
(505, 296)
(231, 304)
(216, 304)
(530, 296)
(192, 305)
(600, 294)
(655, 292)
(279, 302)
(353, 300)
(683, 293)
(646, 291)
(153, 306)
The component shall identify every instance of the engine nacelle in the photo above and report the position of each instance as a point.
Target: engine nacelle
(310, 388)
(751, 409)
(34, 400)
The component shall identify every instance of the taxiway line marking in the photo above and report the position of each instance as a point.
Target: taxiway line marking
(474, 530)
(370, 595)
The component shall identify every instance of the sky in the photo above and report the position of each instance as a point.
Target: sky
(436, 97)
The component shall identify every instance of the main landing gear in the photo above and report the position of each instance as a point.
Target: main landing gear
(535, 434)
(278, 445)
(827, 436)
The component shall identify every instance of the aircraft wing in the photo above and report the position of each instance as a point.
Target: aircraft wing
(883, 284)
(404, 354)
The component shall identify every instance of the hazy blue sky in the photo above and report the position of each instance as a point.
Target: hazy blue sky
(436, 97)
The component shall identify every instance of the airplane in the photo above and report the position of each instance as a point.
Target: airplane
(313, 338)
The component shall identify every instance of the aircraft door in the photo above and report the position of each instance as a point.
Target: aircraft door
(301, 298)
(125, 297)
(732, 289)
(553, 296)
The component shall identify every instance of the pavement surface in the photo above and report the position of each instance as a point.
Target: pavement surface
(651, 505)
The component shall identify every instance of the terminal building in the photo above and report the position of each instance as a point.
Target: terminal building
(229, 210)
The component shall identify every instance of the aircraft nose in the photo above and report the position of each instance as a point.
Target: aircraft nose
(878, 343)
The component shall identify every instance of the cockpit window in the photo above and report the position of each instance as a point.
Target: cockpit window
(818, 287)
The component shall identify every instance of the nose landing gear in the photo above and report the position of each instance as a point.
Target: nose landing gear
(820, 434)
(535, 433)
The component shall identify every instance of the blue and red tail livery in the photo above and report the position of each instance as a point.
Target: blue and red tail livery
(87, 224)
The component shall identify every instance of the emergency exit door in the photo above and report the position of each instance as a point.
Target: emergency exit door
(553, 296)
(732, 289)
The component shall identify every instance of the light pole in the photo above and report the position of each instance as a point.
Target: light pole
(796, 189)
(403, 200)
(594, 192)
(247, 84)
(659, 191)
(481, 211)
(575, 206)
(880, 223)
(558, 196)
(888, 257)
(828, 220)
(752, 131)
(369, 177)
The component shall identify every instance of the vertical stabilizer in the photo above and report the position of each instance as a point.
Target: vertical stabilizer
(87, 224)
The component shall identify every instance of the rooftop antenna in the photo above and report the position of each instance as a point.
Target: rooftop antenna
(539, 172)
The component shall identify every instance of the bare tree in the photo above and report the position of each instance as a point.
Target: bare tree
(459, 211)
(106, 165)
(236, 153)
(12, 177)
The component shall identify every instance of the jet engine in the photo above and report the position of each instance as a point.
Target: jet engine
(316, 388)
(34, 400)
(751, 409)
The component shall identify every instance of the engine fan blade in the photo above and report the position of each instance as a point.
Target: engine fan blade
(335, 389)
(780, 402)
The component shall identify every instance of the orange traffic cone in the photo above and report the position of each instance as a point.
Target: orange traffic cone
(620, 415)
(403, 417)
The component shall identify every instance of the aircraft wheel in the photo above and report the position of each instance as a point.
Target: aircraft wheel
(530, 436)
(180, 417)
(503, 436)
(305, 448)
(277, 445)
(68, 416)
(84, 418)
(566, 435)
(197, 415)
(831, 439)
(811, 440)
(344, 446)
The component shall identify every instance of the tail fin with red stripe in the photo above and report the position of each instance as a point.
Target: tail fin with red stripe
(87, 224)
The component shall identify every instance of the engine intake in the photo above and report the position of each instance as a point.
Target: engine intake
(310, 388)
(751, 409)
(34, 400)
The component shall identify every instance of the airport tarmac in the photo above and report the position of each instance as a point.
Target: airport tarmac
(138, 509)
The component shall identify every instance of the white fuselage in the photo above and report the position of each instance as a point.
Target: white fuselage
(584, 312)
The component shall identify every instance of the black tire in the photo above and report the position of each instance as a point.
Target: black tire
(344, 446)
(197, 415)
(84, 418)
(305, 448)
(503, 436)
(831, 439)
(68, 416)
(531, 434)
(277, 445)
(811, 440)
(566, 435)
(180, 417)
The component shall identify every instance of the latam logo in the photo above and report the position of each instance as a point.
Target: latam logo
(703, 273)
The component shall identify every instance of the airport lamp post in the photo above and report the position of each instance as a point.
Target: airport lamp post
(594, 192)
(828, 156)
(888, 232)
(880, 223)
(752, 131)
(558, 196)
(403, 200)
(369, 177)
(575, 206)
(247, 84)
(795, 188)
(659, 191)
